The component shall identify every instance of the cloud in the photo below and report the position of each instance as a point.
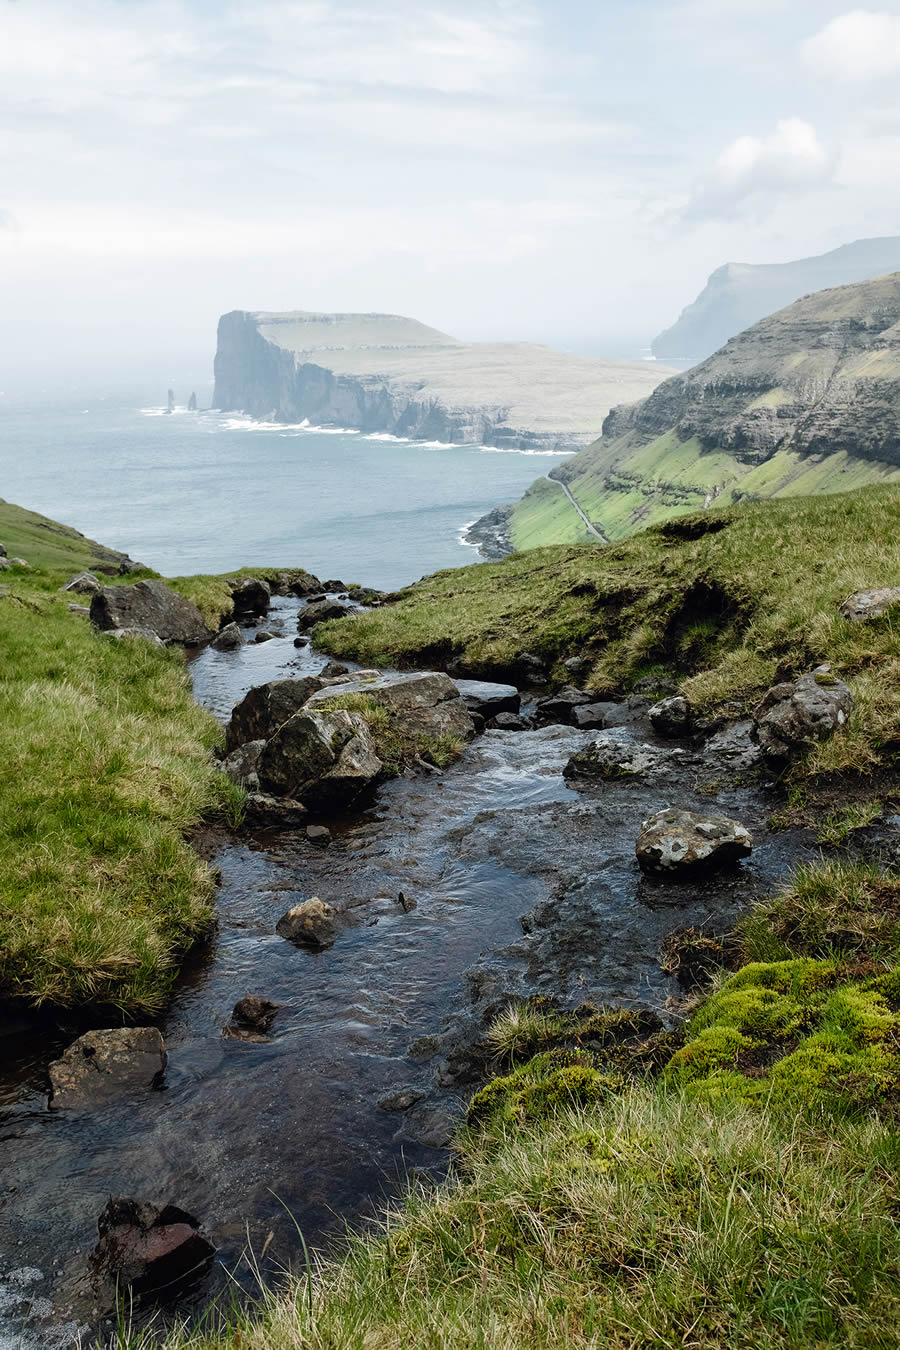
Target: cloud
(753, 172)
(861, 45)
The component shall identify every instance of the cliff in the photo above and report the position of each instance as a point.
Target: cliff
(740, 294)
(805, 402)
(386, 373)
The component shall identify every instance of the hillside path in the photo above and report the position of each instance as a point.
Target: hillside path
(591, 528)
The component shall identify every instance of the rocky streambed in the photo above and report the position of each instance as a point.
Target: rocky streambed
(499, 877)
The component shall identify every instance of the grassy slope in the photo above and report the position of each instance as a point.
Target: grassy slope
(725, 612)
(104, 764)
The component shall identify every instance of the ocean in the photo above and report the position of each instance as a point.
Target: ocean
(206, 492)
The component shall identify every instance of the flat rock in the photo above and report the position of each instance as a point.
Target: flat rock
(596, 716)
(684, 843)
(426, 702)
(154, 1252)
(488, 699)
(144, 634)
(310, 924)
(151, 605)
(401, 1099)
(792, 717)
(229, 639)
(615, 754)
(104, 1066)
(864, 605)
(267, 707)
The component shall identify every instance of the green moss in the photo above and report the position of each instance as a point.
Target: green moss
(546, 1084)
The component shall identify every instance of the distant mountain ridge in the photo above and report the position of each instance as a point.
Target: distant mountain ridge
(738, 295)
(807, 401)
(387, 373)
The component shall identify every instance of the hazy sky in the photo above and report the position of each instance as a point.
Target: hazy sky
(558, 170)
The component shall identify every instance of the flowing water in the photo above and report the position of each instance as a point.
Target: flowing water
(254, 1138)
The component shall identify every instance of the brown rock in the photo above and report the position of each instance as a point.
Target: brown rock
(103, 1066)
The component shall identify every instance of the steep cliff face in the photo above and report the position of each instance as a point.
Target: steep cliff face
(385, 373)
(740, 294)
(806, 401)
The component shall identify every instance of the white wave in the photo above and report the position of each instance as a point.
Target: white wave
(461, 535)
(508, 450)
(164, 412)
(386, 436)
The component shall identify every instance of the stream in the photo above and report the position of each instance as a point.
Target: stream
(260, 1139)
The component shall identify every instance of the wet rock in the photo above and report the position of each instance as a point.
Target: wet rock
(792, 717)
(672, 716)
(311, 924)
(318, 834)
(507, 721)
(400, 1100)
(427, 702)
(432, 1126)
(561, 705)
(254, 1012)
(333, 586)
(864, 605)
(261, 808)
(301, 641)
(407, 902)
(229, 639)
(595, 716)
(487, 699)
(684, 843)
(735, 746)
(614, 754)
(83, 583)
(320, 611)
(267, 707)
(264, 636)
(104, 1066)
(333, 670)
(151, 605)
(365, 595)
(322, 759)
(242, 765)
(156, 1252)
(250, 597)
(301, 584)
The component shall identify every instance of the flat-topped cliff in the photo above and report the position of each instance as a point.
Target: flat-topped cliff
(807, 401)
(386, 373)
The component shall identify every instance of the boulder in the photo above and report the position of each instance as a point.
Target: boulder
(864, 605)
(242, 765)
(2, 551)
(488, 699)
(427, 703)
(300, 583)
(792, 717)
(103, 1066)
(250, 597)
(561, 705)
(264, 636)
(156, 1252)
(229, 639)
(613, 754)
(323, 759)
(576, 665)
(301, 641)
(83, 583)
(672, 716)
(256, 1013)
(320, 611)
(152, 605)
(507, 721)
(267, 707)
(311, 924)
(683, 843)
(401, 1099)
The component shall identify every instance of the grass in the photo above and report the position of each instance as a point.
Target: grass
(104, 768)
(212, 594)
(696, 604)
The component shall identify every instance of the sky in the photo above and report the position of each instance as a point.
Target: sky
(561, 171)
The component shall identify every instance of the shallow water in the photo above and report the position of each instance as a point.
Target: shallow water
(255, 1137)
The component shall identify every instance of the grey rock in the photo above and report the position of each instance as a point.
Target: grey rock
(2, 551)
(264, 636)
(561, 705)
(596, 716)
(487, 699)
(333, 670)
(576, 665)
(426, 702)
(655, 686)
(684, 843)
(530, 668)
(262, 809)
(507, 721)
(318, 834)
(672, 716)
(310, 924)
(301, 641)
(151, 605)
(365, 595)
(613, 754)
(266, 707)
(324, 759)
(83, 583)
(864, 605)
(250, 597)
(229, 639)
(147, 1252)
(320, 611)
(104, 1066)
(792, 717)
(242, 765)
(735, 746)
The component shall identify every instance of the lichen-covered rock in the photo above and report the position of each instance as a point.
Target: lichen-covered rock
(153, 1251)
(153, 605)
(682, 843)
(614, 754)
(229, 639)
(323, 759)
(792, 717)
(310, 924)
(671, 716)
(242, 765)
(426, 703)
(103, 1066)
(267, 707)
(250, 597)
(864, 605)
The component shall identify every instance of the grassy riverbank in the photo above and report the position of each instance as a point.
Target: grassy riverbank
(734, 1184)
(104, 767)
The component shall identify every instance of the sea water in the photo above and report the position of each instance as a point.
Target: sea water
(209, 491)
